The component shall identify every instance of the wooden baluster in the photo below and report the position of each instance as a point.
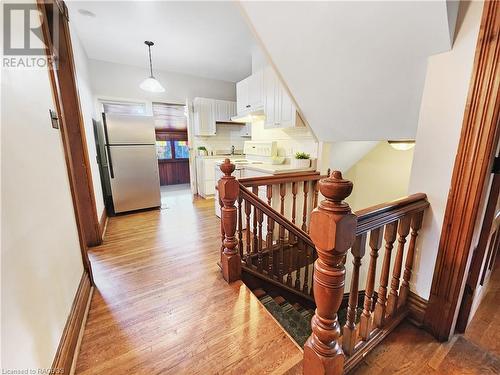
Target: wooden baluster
(248, 212)
(270, 231)
(315, 194)
(228, 191)
(365, 326)
(281, 266)
(403, 230)
(282, 198)
(332, 231)
(349, 333)
(290, 260)
(305, 288)
(240, 225)
(260, 219)
(282, 233)
(304, 210)
(294, 201)
(299, 264)
(390, 237)
(255, 190)
(416, 224)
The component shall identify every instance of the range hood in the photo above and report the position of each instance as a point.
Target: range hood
(251, 117)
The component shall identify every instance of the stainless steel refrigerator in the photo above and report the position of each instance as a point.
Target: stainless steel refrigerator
(132, 161)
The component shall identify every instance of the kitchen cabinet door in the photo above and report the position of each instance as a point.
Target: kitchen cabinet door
(242, 104)
(224, 110)
(269, 97)
(255, 90)
(204, 117)
(287, 110)
(279, 108)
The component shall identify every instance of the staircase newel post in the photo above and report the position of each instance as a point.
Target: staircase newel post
(228, 193)
(332, 229)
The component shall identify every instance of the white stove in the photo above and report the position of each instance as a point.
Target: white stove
(256, 152)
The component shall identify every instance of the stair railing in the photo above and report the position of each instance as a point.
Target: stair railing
(334, 229)
(286, 259)
(273, 244)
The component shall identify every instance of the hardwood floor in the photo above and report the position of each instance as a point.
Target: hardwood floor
(409, 350)
(162, 307)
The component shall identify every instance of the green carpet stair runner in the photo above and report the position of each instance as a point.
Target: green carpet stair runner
(295, 319)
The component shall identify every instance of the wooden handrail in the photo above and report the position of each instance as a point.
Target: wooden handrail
(381, 214)
(275, 215)
(280, 179)
(334, 230)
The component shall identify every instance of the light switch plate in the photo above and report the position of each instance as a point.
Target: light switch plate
(54, 119)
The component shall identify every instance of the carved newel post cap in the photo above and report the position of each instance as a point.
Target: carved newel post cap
(227, 167)
(335, 188)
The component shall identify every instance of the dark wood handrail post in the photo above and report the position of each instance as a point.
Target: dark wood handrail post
(228, 193)
(332, 229)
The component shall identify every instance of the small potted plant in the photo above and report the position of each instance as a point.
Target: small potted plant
(301, 160)
(202, 151)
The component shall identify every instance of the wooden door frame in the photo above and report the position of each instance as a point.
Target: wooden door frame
(473, 163)
(66, 98)
(478, 263)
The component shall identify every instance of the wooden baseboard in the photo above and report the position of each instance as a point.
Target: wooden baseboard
(416, 308)
(103, 221)
(69, 339)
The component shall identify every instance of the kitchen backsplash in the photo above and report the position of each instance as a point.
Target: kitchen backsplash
(227, 136)
(289, 141)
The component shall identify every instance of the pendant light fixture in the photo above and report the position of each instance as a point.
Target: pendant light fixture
(151, 84)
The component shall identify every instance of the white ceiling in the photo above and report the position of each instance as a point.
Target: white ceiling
(355, 69)
(205, 39)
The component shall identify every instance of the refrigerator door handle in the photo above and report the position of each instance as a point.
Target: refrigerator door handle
(108, 148)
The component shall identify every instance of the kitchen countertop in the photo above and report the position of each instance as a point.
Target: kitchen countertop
(272, 169)
(277, 168)
(221, 156)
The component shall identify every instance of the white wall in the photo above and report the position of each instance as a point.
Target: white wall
(355, 68)
(118, 81)
(88, 113)
(343, 155)
(440, 123)
(382, 175)
(41, 263)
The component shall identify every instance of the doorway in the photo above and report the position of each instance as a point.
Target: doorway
(483, 263)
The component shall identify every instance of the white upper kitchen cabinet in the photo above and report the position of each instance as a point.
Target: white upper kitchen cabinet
(204, 117)
(242, 96)
(279, 108)
(250, 93)
(224, 110)
(209, 111)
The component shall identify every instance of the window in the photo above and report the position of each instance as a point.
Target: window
(170, 147)
(123, 108)
(181, 149)
(170, 117)
(171, 131)
(164, 150)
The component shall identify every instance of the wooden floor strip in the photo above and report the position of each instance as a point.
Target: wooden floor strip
(161, 305)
